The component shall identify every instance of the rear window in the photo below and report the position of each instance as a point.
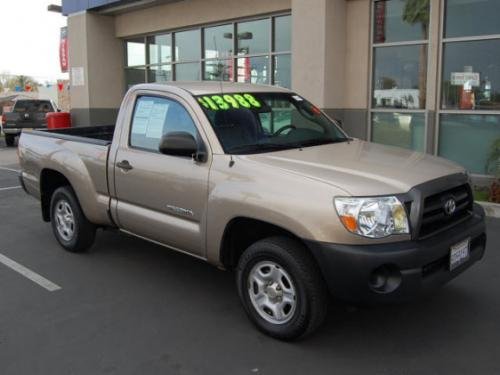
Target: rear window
(33, 106)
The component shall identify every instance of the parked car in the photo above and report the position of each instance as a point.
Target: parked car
(258, 180)
(26, 114)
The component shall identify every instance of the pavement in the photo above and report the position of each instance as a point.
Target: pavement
(131, 307)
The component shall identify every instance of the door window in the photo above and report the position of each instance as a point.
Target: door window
(155, 117)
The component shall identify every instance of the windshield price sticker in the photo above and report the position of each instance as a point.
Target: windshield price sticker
(229, 101)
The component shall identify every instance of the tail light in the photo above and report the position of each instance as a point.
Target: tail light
(4, 119)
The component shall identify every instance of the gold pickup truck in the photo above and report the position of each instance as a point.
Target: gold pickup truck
(258, 180)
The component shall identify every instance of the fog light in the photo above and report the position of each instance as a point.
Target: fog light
(385, 279)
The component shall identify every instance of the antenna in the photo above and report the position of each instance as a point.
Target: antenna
(220, 69)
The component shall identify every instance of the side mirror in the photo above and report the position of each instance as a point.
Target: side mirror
(178, 144)
(58, 110)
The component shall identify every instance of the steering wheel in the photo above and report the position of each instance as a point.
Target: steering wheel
(281, 130)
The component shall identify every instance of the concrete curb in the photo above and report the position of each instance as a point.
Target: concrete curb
(491, 209)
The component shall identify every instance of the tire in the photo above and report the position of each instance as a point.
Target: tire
(10, 140)
(70, 226)
(300, 281)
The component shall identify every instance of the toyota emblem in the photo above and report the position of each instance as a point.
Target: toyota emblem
(450, 206)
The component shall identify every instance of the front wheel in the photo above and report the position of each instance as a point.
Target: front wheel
(70, 226)
(281, 288)
(10, 140)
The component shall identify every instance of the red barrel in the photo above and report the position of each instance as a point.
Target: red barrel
(58, 120)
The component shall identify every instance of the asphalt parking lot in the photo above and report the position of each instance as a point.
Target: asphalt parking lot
(131, 307)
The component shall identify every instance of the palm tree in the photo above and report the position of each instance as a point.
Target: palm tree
(417, 11)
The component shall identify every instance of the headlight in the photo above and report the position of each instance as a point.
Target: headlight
(373, 217)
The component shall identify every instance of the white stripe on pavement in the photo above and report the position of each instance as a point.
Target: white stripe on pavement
(10, 169)
(10, 188)
(33, 276)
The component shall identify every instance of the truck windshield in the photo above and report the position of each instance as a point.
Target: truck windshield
(248, 123)
(33, 106)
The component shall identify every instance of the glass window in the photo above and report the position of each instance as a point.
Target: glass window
(471, 75)
(155, 117)
(289, 122)
(253, 37)
(472, 141)
(136, 52)
(160, 73)
(187, 72)
(218, 41)
(283, 70)
(253, 69)
(187, 45)
(218, 70)
(471, 17)
(399, 129)
(134, 76)
(399, 78)
(160, 49)
(283, 34)
(400, 20)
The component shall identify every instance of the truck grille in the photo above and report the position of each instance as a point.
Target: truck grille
(434, 216)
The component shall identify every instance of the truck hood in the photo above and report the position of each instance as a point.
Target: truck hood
(360, 168)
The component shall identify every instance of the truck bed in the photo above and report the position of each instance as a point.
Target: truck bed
(100, 135)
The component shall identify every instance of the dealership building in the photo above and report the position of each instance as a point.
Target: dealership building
(419, 74)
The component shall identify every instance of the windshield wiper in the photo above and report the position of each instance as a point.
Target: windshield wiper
(263, 147)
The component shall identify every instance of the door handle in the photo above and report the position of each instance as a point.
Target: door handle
(124, 164)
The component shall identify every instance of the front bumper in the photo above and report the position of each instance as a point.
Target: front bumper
(353, 272)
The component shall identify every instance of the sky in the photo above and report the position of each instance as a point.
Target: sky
(29, 39)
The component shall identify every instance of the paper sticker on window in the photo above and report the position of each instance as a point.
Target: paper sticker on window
(140, 125)
(144, 108)
(297, 98)
(157, 120)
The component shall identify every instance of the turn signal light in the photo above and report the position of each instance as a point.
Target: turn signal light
(349, 222)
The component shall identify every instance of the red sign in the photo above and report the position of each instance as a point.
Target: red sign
(379, 22)
(63, 50)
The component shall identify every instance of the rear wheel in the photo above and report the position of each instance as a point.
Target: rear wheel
(281, 288)
(70, 226)
(10, 140)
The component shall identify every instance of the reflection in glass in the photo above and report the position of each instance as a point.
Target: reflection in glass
(161, 73)
(160, 49)
(136, 52)
(134, 76)
(471, 75)
(283, 71)
(404, 130)
(282, 34)
(399, 77)
(253, 69)
(187, 72)
(253, 37)
(400, 20)
(187, 45)
(218, 41)
(471, 18)
(218, 70)
(472, 141)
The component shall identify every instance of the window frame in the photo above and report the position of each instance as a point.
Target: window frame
(271, 53)
(442, 41)
(371, 56)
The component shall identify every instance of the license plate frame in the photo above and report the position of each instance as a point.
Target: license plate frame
(459, 254)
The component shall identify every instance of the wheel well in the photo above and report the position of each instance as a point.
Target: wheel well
(241, 232)
(50, 180)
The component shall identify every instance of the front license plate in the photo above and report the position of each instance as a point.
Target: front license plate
(459, 254)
